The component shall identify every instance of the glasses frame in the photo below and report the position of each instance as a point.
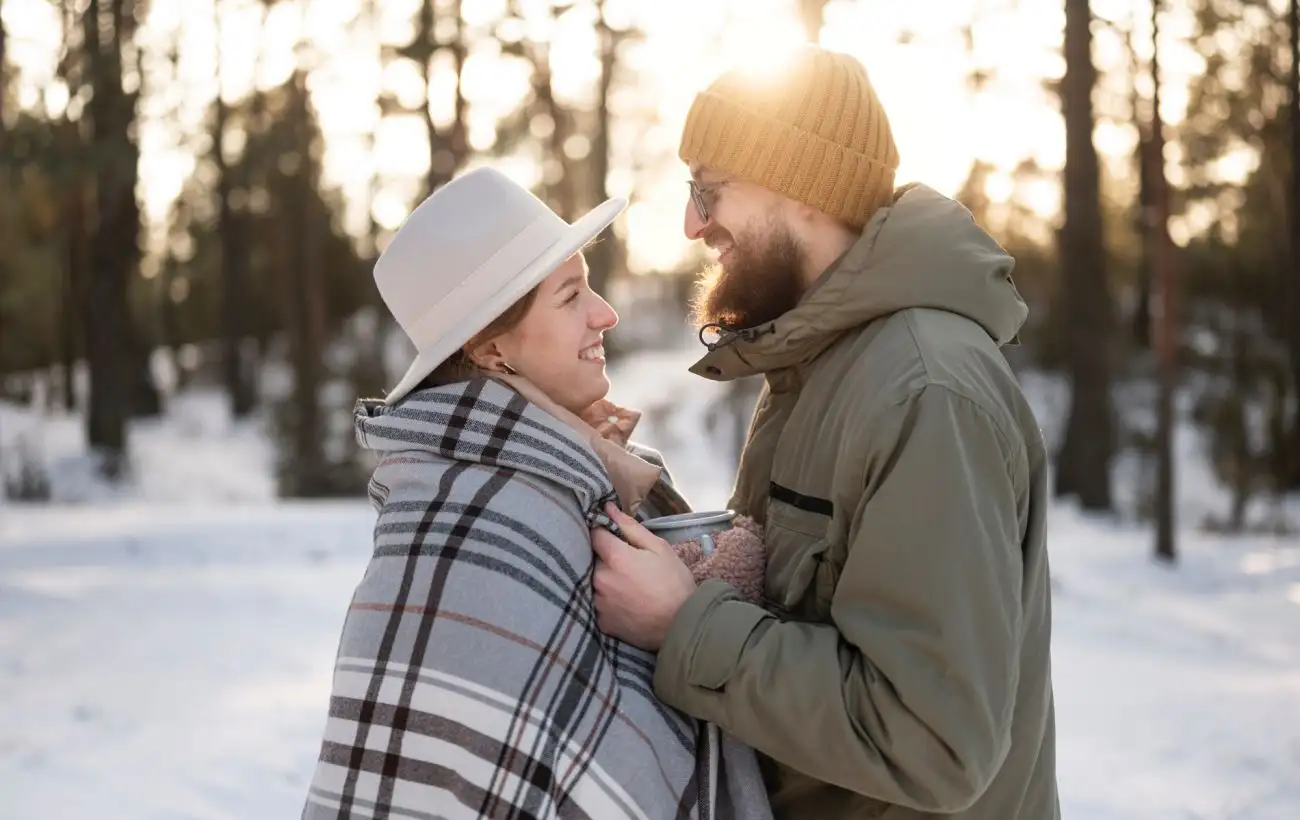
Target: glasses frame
(701, 194)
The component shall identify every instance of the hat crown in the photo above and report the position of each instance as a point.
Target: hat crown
(457, 234)
(823, 92)
(815, 131)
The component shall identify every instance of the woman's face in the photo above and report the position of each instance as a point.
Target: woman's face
(558, 345)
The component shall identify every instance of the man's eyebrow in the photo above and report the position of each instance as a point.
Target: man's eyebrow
(697, 174)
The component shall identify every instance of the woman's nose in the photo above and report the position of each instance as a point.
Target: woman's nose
(603, 316)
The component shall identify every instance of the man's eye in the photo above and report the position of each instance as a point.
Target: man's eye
(572, 297)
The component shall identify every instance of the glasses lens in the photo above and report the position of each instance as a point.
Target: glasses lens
(697, 196)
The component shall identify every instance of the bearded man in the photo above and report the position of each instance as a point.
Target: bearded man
(900, 664)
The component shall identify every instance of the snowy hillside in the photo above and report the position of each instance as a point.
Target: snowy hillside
(165, 651)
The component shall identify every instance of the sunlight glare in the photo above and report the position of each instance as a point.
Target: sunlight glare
(389, 210)
(32, 29)
(400, 148)
(402, 79)
(575, 62)
(767, 47)
(481, 12)
(522, 169)
(493, 83)
(56, 99)
(939, 126)
(646, 219)
(769, 60)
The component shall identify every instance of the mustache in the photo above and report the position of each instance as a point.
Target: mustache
(717, 236)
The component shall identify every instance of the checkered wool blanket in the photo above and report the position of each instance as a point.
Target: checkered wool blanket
(471, 680)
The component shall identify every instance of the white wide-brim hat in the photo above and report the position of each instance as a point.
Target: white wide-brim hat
(467, 253)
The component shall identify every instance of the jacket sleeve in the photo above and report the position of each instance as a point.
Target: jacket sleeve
(907, 695)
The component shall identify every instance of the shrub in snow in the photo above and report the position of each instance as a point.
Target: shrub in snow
(28, 479)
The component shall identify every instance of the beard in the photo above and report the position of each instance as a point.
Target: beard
(762, 280)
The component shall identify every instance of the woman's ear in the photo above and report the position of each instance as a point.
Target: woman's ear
(486, 355)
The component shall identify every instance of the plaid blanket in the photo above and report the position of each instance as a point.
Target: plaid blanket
(471, 680)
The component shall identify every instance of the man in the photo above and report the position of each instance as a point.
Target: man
(900, 668)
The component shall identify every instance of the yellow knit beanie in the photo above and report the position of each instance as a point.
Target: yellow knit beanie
(816, 133)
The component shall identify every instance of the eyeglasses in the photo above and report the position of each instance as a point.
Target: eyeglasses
(703, 196)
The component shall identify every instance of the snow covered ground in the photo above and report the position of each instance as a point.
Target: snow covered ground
(165, 651)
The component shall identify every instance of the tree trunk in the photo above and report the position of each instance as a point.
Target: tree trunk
(605, 257)
(811, 14)
(145, 400)
(372, 378)
(1083, 467)
(562, 195)
(169, 326)
(446, 151)
(76, 272)
(4, 66)
(252, 172)
(114, 235)
(230, 230)
(422, 50)
(458, 140)
(1166, 321)
(1141, 320)
(306, 312)
(1295, 237)
(73, 219)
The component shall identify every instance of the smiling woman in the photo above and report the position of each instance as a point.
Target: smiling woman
(553, 336)
(475, 616)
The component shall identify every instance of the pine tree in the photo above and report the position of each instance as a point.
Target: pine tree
(1083, 466)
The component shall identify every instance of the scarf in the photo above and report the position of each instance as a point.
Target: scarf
(471, 680)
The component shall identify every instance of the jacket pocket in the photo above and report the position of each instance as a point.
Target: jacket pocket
(800, 580)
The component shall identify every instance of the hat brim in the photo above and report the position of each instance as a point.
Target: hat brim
(575, 237)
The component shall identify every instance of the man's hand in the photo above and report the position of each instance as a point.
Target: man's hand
(640, 583)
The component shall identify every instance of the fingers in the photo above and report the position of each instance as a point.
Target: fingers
(597, 413)
(634, 533)
(606, 544)
(621, 518)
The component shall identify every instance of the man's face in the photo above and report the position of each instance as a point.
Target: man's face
(759, 274)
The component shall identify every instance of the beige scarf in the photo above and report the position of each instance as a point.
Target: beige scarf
(632, 476)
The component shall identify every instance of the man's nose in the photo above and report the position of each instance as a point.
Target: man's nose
(694, 226)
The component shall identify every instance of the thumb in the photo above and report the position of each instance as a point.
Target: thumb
(635, 533)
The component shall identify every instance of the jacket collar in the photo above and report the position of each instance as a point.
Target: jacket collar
(924, 250)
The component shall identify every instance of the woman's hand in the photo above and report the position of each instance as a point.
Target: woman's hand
(640, 583)
(611, 421)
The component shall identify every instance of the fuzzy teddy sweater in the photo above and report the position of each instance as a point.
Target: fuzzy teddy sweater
(738, 558)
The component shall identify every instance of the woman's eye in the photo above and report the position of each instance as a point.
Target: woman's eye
(573, 297)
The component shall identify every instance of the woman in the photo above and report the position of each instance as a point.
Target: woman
(471, 680)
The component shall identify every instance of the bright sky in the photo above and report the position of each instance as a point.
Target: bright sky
(940, 126)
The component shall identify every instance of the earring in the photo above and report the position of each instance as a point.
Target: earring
(510, 371)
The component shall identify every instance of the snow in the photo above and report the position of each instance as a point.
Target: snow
(195, 454)
(165, 649)
(1178, 692)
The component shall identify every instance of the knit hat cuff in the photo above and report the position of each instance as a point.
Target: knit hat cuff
(799, 164)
